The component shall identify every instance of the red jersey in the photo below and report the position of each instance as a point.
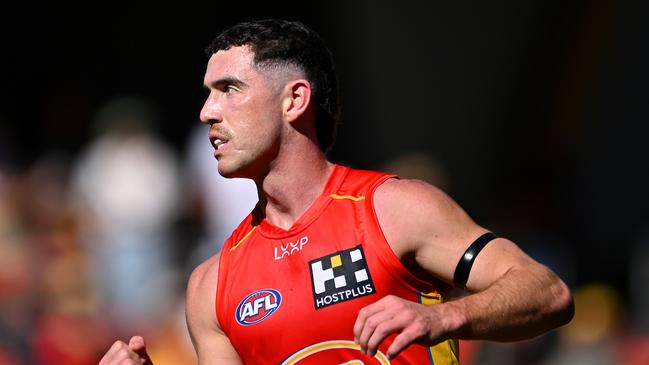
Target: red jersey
(292, 296)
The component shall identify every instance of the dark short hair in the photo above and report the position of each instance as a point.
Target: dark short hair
(282, 42)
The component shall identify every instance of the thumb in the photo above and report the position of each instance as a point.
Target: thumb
(139, 347)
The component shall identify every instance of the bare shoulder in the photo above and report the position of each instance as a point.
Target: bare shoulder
(211, 344)
(203, 275)
(418, 209)
(201, 294)
(421, 220)
(416, 196)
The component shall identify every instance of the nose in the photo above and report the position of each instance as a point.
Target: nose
(211, 111)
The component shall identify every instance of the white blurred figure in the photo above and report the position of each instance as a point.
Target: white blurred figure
(226, 202)
(127, 180)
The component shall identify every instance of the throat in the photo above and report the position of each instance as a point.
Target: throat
(285, 210)
(284, 204)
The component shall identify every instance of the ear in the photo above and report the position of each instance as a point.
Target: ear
(297, 97)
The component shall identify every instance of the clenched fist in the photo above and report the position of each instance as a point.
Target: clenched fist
(122, 354)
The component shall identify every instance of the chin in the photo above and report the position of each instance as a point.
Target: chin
(245, 168)
(230, 172)
(226, 173)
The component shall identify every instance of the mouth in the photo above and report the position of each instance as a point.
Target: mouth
(217, 141)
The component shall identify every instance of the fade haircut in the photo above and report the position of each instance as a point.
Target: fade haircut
(283, 43)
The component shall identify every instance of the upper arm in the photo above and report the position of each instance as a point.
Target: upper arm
(211, 344)
(421, 220)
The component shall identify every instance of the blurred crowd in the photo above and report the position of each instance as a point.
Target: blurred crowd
(99, 247)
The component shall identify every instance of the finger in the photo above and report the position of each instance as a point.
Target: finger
(138, 346)
(403, 340)
(114, 349)
(121, 354)
(371, 325)
(383, 330)
(136, 343)
(365, 313)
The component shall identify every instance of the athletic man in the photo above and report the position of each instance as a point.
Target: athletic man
(336, 265)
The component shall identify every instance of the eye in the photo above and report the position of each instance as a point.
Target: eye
(229, 89)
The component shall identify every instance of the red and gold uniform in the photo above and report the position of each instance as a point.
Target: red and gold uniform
(292, 296)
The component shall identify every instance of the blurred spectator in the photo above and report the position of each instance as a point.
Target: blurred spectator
(49, 313)
(18, 276)
(127, 183)
(217, 204)
(171, 344)
(417, 165)
(591, 338)
(69, 328)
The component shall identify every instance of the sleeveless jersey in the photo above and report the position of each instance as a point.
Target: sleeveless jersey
(292, 297)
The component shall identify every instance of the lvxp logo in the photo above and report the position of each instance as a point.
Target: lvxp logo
(290, 248)
(258, 306)
(339, 277)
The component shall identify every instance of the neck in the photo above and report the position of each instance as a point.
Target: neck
(294, 180)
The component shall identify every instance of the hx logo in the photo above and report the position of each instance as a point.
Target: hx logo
(258, 306)
(339, 277)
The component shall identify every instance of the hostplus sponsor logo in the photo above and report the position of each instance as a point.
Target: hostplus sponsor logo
(340, 276)
(258, 306)
(290, 248)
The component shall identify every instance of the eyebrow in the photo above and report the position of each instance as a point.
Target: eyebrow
(222, 82)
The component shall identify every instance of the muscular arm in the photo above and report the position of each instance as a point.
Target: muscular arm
(513, 297)
(211, 344)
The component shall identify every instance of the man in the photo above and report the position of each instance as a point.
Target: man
(336, 265)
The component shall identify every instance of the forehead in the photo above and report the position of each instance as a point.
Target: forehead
(235, 62)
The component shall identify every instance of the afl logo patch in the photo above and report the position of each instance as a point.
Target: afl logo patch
(258, 306)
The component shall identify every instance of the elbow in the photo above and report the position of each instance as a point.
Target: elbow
(564, 306)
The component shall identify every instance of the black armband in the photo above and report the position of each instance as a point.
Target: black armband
(463, 268)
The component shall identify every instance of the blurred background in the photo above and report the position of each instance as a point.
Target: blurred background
(532, 115)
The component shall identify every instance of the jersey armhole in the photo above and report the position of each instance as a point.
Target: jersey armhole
(219, 300)
(389, 258)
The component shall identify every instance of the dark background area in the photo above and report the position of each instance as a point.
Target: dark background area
(537, 110)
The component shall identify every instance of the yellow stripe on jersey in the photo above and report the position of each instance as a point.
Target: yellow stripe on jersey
(444, 353)
(243, 239)
(350, 197)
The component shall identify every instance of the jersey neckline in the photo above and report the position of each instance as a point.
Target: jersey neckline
(334, 181)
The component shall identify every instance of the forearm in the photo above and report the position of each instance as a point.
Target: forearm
(521, 304)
